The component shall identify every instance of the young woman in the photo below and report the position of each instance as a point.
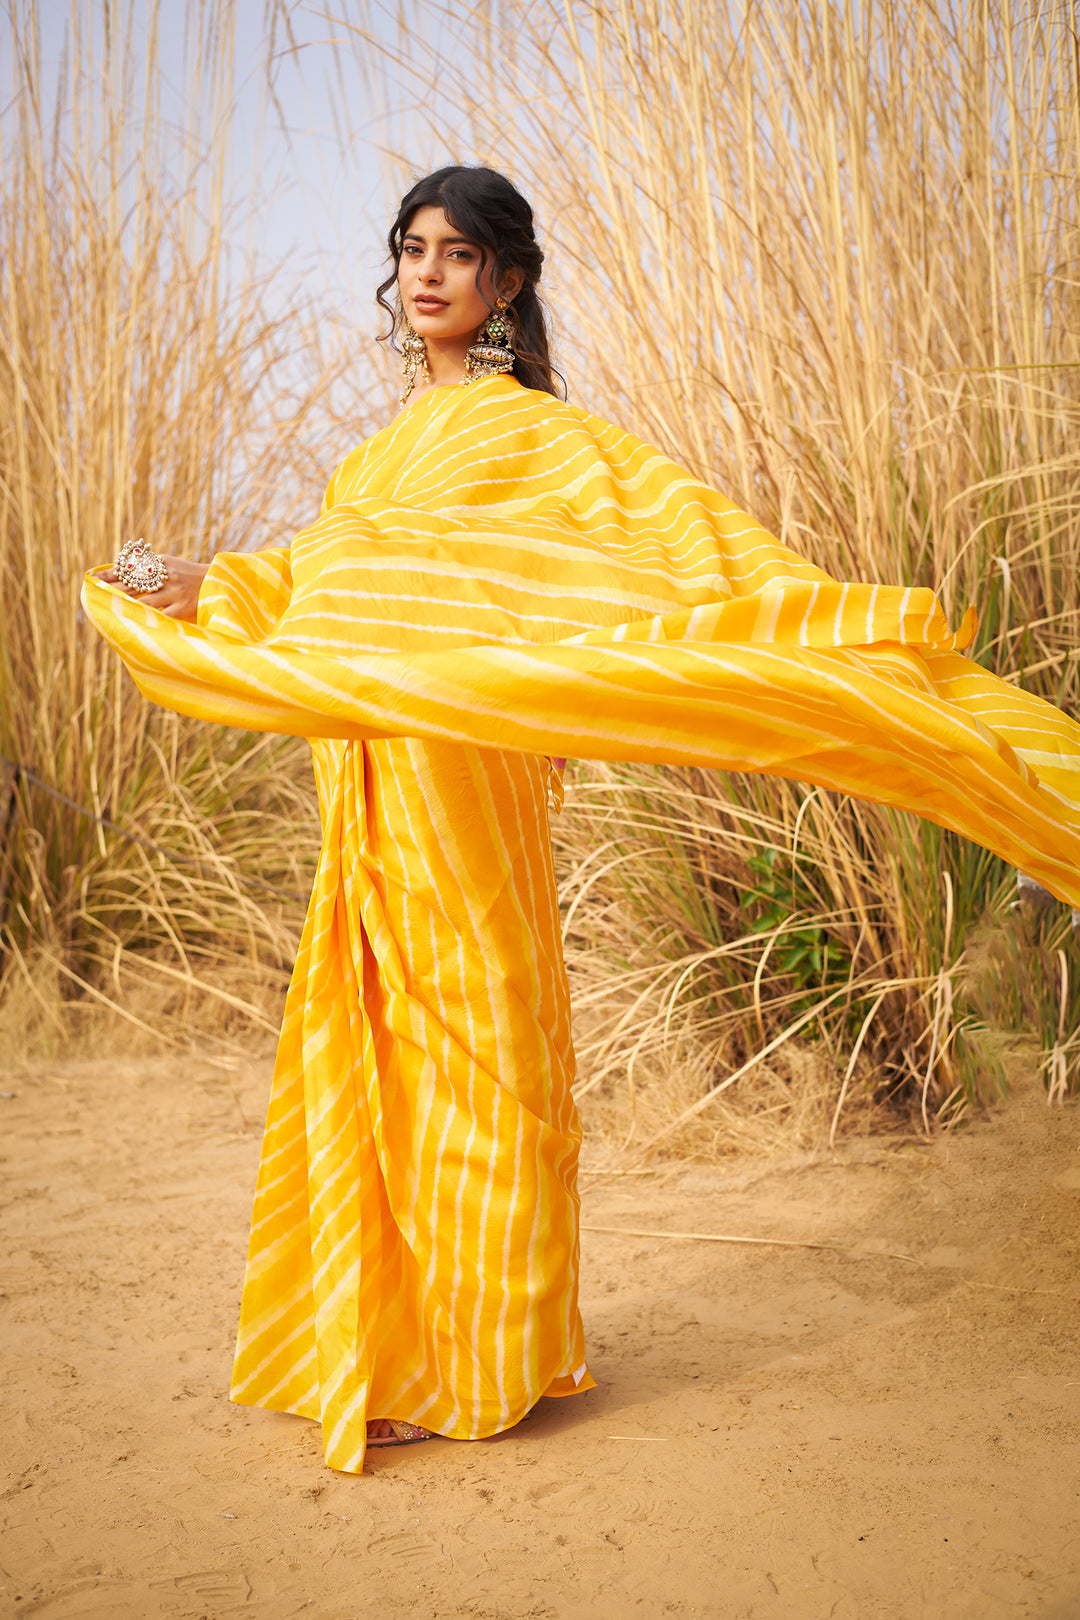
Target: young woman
(497, 579)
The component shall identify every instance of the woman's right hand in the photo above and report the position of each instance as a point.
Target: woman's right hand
(178, 598)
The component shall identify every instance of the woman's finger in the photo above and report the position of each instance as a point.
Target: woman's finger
(177, 597)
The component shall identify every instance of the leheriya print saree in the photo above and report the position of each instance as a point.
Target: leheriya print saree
(495, 579)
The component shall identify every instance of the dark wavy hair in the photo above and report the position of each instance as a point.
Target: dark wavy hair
(488, 209)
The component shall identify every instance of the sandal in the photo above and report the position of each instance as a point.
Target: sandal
(404, 1434)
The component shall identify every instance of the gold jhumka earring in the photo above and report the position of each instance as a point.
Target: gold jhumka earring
(413, 354)
(492, 354)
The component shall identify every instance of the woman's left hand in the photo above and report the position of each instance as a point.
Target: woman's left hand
(179, 596)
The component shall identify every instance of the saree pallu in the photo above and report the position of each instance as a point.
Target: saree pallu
(497, 578)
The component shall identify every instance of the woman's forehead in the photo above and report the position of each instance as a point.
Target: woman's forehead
(430, 224)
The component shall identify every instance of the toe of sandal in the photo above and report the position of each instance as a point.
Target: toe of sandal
(404, 1434)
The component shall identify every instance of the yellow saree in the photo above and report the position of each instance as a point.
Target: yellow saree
(494, 579)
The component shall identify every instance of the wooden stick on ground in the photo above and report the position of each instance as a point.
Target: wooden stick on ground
(784, 1243)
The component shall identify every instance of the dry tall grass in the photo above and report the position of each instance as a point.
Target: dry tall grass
(825, 257)
(145, 388)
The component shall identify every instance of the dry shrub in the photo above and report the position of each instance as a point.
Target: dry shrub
(751, 965)
(821, 256)
(150, 386)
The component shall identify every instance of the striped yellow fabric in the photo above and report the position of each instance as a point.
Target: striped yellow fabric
(494, 579)
(414, 1239)
(499, 569)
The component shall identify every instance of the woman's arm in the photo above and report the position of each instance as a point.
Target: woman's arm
(179, 596)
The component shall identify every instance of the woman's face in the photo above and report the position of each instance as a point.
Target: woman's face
(437, 279)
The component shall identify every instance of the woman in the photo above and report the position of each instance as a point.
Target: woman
(496, 579)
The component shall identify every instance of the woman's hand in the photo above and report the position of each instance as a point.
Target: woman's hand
(179, 596)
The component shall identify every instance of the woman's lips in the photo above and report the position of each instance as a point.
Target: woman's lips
(430, 306)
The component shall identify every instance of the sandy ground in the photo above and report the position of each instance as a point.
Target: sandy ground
(778, 1432)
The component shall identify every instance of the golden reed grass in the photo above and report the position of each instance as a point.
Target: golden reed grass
(823, 258)
(147, 387)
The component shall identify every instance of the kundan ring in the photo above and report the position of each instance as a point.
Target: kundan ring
(139, 569)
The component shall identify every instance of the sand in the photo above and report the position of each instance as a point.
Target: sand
(778, 1432)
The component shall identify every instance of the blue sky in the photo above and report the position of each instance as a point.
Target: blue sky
(324, 201)
(307, 190)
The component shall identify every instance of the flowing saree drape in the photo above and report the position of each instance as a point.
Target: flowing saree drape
(497, 578)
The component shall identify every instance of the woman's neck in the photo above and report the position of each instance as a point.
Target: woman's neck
(446, 359)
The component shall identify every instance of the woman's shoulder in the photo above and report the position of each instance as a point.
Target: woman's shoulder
(542, 409)
(488, 421)
(504, 402)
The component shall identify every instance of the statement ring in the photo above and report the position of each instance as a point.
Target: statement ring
(138, 569)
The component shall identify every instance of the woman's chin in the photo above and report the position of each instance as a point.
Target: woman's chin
(443, 331)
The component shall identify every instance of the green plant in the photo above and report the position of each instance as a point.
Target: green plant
(781, 894)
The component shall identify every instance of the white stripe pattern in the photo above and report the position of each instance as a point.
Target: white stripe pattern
(496, 580)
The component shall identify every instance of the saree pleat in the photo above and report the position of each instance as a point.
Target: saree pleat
(496, 579)
(417, 1200)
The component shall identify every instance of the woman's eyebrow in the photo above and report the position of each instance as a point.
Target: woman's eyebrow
(443, 241)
